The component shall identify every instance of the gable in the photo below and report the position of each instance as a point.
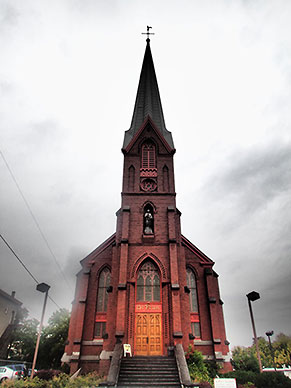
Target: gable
(98, 251)
(201, 257)
(146, 131)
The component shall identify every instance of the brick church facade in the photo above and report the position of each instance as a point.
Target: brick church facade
(147, 285)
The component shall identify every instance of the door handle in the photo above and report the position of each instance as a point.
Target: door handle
(147, 340)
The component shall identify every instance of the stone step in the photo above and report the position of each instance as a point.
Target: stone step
(143, 362)
(147, 385)
(150, 365)
(148, 377)
(147, 372)
(168, 368)
(148, 381)
(150, 372)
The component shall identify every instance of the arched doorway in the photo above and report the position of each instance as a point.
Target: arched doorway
(148, 311)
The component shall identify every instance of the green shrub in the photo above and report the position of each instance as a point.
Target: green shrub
(241, 376)
(89, 380)
(197, 367)
(212, 368)
(47, 374)
(26, 383)
(61, 381)
(244, 359)
(246, 385)
(271, 380)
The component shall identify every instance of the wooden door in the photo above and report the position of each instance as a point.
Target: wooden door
(148, 335)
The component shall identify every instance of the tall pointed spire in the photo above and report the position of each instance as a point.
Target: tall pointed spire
(148, 102)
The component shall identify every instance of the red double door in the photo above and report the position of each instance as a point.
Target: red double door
(148, 334)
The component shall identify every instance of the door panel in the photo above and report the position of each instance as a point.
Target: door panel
(141, 334)
(148, 335)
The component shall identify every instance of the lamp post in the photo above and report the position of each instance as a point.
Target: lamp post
(42, 287)
(252, 296)
(269, 334)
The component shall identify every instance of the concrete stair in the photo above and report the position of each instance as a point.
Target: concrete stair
(148, 372)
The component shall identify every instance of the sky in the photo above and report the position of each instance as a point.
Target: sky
(69, 72)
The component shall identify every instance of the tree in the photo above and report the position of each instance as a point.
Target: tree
(52, 340)
(282, 349)
(54, 337)
(265, 352)
(246, 358)
(23, 340)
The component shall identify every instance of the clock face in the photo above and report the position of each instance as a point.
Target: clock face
(148, 185)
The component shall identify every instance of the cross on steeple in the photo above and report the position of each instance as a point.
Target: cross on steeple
(148, 33)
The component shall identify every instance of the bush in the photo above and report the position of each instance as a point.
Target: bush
(197, 367)
(205, 385)
(26, 383)
(61, 381)
(241, 376)
(212, 368)
(244, 359)
(271, 380)
(47, 374)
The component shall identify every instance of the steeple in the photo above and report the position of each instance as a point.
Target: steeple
(148, 102)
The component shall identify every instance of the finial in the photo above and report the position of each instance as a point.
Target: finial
(148, 33)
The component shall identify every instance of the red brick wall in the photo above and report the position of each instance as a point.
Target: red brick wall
(125, 254)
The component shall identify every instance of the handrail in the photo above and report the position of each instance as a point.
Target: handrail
(183, 370)
(113, 373)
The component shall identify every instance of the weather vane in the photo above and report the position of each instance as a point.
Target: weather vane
(148, 33)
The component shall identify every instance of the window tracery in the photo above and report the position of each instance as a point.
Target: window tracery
(148, 283)
(193, 299)
(148, 167)
(102, 301)
(148, 160)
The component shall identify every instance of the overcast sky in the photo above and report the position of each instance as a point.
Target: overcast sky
(69, 72)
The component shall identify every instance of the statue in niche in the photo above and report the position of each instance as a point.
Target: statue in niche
(148, 221)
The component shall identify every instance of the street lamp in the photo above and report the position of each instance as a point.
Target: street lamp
(252, 296)
(42, 287)
(269, 334)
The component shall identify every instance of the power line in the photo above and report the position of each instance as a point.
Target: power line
(18, 258)
(24, 266)
(35, 220)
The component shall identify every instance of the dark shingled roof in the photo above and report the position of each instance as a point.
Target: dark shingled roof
(148, 102)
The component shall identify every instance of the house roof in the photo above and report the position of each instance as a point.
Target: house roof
(148, 102)
(10, 298)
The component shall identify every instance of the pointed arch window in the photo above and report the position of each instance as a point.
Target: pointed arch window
(148, 155)
(148, 283)
(148, 160)
(193, 301)
(131, 178)
(165, 178)
(101, 305)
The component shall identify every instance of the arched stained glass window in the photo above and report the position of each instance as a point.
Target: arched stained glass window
(195, 319)
(191, 283)
(101, 305)
(148, 283)
(102, 296)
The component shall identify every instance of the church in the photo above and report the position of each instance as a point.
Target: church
(147, 285)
